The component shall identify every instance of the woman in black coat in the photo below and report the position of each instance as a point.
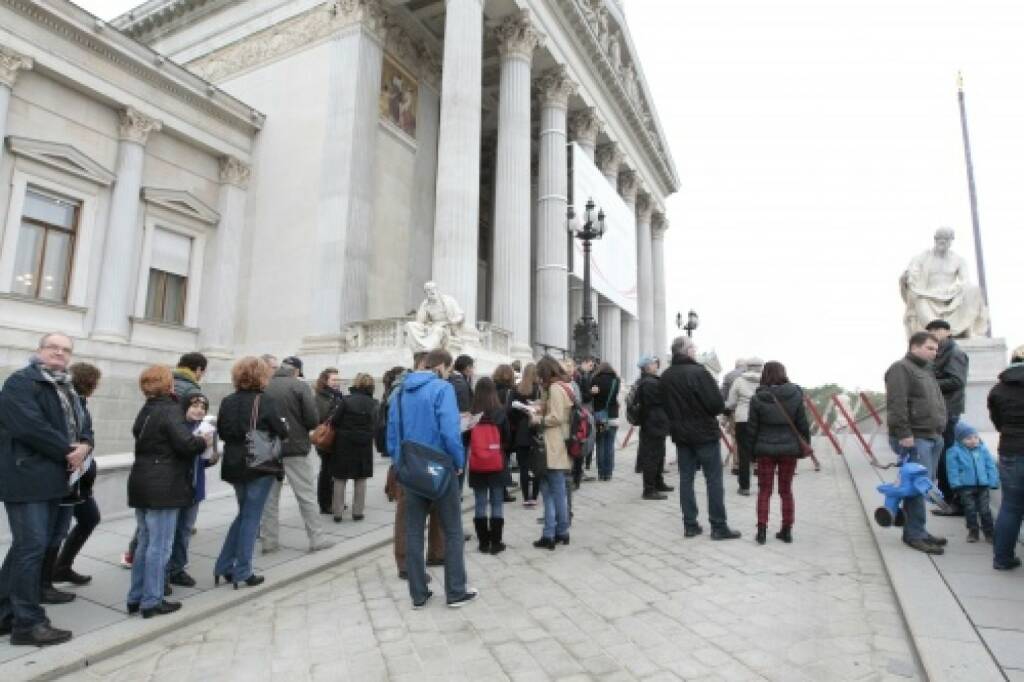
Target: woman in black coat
(235, 419)
(1006, 408)
(523, 434)
(159, 484)
(327, 399)
(354, 424)
(780, 435)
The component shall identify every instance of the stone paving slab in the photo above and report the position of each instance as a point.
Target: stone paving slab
(628, 599)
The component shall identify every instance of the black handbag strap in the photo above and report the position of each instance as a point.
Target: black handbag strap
(800, 439)
(255, 413)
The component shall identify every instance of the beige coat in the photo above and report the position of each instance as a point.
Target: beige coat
(557, 416)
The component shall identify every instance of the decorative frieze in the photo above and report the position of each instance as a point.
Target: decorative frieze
(136, 127)
(350, 12)
(11, 63)
(555, 87)
(585, 126)
(234, 172)
(517, 36)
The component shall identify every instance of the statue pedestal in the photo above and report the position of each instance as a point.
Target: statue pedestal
(987, 359)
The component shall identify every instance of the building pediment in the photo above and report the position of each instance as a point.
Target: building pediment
(63, 157)
(182, 203)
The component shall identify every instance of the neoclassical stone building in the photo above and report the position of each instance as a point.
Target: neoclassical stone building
(249, 176)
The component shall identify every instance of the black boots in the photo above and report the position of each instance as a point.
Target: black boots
(48, 594)
(496, 529)
(63, 573)
(762, 534)
(483, 533)
(785, 534)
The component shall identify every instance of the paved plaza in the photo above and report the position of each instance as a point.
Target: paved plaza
(628, 599)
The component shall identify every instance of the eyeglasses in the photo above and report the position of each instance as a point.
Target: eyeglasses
(66, 350)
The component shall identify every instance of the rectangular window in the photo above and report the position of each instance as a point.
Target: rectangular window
(168, 277)
(46, 244)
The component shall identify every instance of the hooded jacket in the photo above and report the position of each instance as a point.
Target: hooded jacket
(1006, 409)
(692, 402)
(295, 400)
(769, 429)
(424, 410)
(971, 468)
(914, 404)
(740, 392)
(951, 372)
(185, 384)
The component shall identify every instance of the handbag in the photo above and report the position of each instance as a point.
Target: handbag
(601, 416)
(262, 448)
(322, 436)
(422, 470)
(805, 447)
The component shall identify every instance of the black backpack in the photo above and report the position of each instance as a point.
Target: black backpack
(634, 406)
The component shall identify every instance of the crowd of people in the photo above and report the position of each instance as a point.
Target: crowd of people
(550, 421)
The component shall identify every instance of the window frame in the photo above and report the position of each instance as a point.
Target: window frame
(47, 228)
(184, 299)
(157, 218)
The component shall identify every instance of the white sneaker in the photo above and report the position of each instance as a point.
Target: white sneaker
(470, 595)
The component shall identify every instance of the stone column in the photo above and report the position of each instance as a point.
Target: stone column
(645, 273)
(11, 63)
(456, 222)
(609, 159)
(223, 261)
(346, 195)
(629, 185)
(659, 225)
(121, 246)
(609, 328)
(584, 127)
(552, 299)
(517, 39)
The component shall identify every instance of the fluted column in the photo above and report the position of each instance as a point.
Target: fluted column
(629, 185)
(609, 329)
(11, 63)
(609, 159)
(456, 222)
(584, 127)
(645, 273)
(552, 299)
(517, 39)
(659, 225)
(223, 261)
(346, 194)
(121, 246)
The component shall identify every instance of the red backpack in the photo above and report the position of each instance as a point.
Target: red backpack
(581, 426)
(485, 453)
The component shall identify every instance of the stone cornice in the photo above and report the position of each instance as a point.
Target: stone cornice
(234, 172)
(11, 63)
(73, 24)
(158, 17)
(136, 127)
(585, 126)
(517, 36)
(555, 86)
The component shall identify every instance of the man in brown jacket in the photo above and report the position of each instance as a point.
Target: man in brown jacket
(916, 414)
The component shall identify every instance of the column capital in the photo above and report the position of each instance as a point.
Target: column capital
(659, 225)
(517, 36)
(584, 126)
(629, 184)
(369, 12)
(136, 127)
(644, 207)
(555, 87)
(11, 63)
(234, 172)
(609, 158)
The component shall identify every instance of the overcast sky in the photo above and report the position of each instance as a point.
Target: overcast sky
(819, 147)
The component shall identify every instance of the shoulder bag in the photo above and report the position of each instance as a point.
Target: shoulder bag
(262, 448)
(805, 447)
(422, 470)
(322, 436)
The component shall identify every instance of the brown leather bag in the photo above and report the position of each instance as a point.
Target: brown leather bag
(323, 435)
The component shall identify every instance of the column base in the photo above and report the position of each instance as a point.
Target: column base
(109, 337)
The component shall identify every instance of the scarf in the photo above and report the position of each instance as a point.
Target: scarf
(69, 400)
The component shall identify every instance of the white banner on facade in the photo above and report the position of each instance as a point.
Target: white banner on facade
(613, 259)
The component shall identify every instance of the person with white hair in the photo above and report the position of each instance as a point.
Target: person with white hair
(738, 404)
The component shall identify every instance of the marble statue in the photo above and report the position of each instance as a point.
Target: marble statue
(438, 321)
(935, 286)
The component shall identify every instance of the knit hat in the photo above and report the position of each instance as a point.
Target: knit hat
(646, 360)
(963, 430)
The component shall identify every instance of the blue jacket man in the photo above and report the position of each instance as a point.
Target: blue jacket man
(429, 415)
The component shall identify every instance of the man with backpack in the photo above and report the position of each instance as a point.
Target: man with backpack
(653, 425)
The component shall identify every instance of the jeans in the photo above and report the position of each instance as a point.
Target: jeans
(606, 451)
(156, 535)
(235, 557)
(708, 456)
(766, 467)
(1011, 510)
(182, 535)
(449, 510)
(299, 472)
(926, 452)
(87, 517)
(975, 501)
(556, 505)
(32, 524)
(496, 493)
(527, 481)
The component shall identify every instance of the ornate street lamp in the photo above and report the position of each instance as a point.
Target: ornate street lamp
(691, 322)
(585, 335)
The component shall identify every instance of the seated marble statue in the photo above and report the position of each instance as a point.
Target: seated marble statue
(438, 321)
(935, 286)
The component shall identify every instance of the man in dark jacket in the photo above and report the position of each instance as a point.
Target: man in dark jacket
(43, 437)
(692, 404)
(294, 398)
(950, 369)
(187, 375)
(650, 453)
(916, 414)
(461, 380)
(1006, 408)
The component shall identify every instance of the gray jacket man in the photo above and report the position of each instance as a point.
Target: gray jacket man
(296, 401)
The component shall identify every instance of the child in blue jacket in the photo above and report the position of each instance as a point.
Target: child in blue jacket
(972, 472)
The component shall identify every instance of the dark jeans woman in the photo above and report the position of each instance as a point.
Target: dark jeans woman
(235, 560)
(87, 517)
(606, 452)
(527, 482)
(1011, 511)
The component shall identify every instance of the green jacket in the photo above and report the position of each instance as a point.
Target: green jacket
(914, 403)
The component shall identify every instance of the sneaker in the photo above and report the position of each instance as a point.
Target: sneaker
(126, 560)
(924, 546)
(1007, 566)
(417, 605)
(469, 596)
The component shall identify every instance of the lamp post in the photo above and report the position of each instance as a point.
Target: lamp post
(692, 321)
(585, 336)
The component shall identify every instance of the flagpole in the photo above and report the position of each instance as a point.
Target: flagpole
(972, 193)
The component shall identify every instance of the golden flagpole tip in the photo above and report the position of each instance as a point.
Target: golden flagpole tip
(960, 81)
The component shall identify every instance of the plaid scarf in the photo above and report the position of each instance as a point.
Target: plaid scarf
(69, 400)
